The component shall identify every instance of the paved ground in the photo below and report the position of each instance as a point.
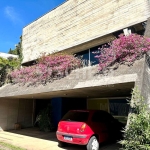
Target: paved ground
(33, 139)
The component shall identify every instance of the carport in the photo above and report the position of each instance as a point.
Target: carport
(82, 98)
(71, 92)
(62, 101)
(26, 107)
(88, 98)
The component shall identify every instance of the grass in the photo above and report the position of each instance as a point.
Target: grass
(8, 146)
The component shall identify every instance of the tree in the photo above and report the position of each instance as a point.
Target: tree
(10, 51)
(17, 50)
(7, 65)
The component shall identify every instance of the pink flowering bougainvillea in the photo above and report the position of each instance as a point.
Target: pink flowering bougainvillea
(125, 49)
(47, 69)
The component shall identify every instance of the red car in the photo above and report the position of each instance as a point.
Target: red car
(88, 127)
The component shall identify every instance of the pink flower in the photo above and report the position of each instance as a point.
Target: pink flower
(123, 49)
(48, 67)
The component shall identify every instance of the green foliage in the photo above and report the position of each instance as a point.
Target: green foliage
(44, 119)
(17, 50)
(137, 131)
(6, 66)
(11, 51)
(9, 62)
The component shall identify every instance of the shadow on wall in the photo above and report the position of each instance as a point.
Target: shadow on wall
(1, 129)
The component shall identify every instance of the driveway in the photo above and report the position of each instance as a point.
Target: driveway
(33, 139)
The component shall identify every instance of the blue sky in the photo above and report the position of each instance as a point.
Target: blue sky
(16, 14)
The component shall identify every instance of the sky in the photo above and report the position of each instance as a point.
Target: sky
(16, 14)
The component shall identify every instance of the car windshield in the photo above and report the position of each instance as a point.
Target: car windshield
(76, 116)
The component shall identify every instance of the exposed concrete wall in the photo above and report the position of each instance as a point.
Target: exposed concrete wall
(139, 80)
(15, 111)
(146, 80)
(79, 21)
(147, 31)
(145, 84)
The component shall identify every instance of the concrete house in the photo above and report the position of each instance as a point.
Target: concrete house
(79, 27)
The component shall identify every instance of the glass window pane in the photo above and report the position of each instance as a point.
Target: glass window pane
(85, 56)
(94, 60)
(119, 107)
(94, 51)
(76, 116)
(102, 116)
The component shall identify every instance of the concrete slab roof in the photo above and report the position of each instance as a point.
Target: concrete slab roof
(81, 82)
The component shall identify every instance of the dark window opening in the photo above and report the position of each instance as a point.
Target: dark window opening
(76, 116)
(119, 107)
(102, 116)
(117, 33)
(84, 55)
(138, 29)
(88, 56)
(93, 52)
(30, 63)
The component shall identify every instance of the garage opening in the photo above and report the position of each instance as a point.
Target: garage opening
(118, 107)
(58, 108)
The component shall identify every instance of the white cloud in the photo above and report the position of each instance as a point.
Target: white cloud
(12, 14)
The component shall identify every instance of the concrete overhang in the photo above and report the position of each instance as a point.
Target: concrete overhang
(117, 90)
(83, 82)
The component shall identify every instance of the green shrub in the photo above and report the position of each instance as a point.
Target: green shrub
(137, 131)
(44, 119)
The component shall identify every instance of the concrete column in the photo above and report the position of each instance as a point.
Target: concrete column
(146, 73)
(143, 81)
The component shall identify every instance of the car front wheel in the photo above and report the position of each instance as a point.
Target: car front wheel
(93, 144)
(62, 144)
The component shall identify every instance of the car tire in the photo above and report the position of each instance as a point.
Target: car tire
(62, 144)
(93, 144)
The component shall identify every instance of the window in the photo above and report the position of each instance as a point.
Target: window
(88, 56)
(102, 116)
(76, 116)
(93, 60)
(119, 107)
(84, 55)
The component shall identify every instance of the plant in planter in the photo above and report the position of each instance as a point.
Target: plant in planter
(44, 119)
(124, 50)
(47, 69)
